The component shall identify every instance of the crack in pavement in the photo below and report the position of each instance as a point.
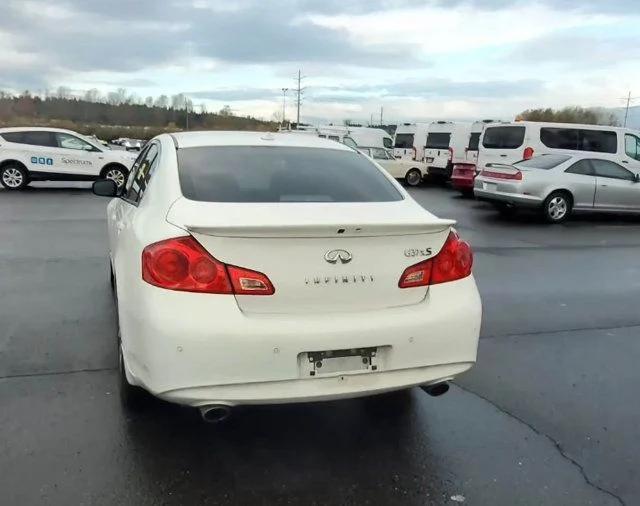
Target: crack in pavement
(560, 331)
(555, 443)
(56, 373)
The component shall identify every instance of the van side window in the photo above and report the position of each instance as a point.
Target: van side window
(505, 137)
(582, 167)
(611, 170)
(577, 139)
(632, 146)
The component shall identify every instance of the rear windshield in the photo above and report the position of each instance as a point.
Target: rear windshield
(504, 137)
(438, 140)
(404, 141)
(281, 174)
(544, 162)
(474, 141)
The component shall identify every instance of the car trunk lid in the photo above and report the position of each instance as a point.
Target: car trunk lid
(320, 257)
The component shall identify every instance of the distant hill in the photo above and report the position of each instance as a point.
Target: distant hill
(117, 120)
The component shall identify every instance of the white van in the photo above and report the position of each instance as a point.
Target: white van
(409, 141)
(446, 145)
(512, 142)
(477, 127)
(350, 135)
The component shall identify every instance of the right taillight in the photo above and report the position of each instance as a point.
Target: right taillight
(454, 261)
(183, 264)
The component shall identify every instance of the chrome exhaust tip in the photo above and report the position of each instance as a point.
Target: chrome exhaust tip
(215, 413)
(436, 390)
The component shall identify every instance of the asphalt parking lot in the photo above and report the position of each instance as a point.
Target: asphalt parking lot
(549, 415)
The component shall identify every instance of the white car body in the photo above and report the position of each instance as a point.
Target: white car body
(409, 140)
(412, 171)
(520, 140)
(55, 154)
(203, 349)
(445, 146)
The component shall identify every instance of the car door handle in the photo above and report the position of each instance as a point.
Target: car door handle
(625, 161)
(503, 156)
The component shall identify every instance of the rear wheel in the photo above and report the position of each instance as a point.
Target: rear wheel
(14, 177)
(557, 207)
(413, 177)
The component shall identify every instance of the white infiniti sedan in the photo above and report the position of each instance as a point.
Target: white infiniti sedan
(256, 268)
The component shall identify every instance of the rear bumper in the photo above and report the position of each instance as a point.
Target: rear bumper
(519, 200)
(462, 182)
(440, 171)
(197, 350)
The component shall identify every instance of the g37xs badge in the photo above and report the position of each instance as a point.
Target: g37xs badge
(417, 252)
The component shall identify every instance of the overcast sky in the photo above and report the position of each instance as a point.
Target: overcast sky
(439, 59)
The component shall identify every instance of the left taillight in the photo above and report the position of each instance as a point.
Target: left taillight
(450, 154)
(453, 262)
(182, 264)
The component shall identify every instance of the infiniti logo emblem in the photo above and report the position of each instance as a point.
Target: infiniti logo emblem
(338, 254)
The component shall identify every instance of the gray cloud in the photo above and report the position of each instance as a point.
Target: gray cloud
(577, 50)
(427, 89)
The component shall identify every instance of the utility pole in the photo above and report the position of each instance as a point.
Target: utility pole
(629, 99)
(381, 115)
(299, 91)
(284, 95)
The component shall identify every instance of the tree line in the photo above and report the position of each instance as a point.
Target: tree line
(119, 114)
(586, 116)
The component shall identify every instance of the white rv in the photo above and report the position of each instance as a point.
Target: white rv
(409, 140)
(477, 127)
(351, 136)
(446, 145)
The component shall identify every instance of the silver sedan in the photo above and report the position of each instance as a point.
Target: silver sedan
(560, 184)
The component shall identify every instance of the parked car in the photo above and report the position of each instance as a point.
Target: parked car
(409, 141)
(558, 185)
(276, 268)
(511, 142)
(445, 146)
(411, 171)
(463, 177)
(132, 144)
(51, 154)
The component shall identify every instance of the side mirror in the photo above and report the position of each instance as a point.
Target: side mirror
(105, 188)
(636, 178)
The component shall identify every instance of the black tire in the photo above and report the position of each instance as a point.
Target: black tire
(467, 193)
(14, 177)
(413, 177)
(116, 173)
(557, 207)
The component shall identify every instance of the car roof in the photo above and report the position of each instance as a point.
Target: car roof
(280, 139)
(38, 129)
(549, 124)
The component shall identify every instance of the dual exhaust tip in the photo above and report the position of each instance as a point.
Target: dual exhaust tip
(218, 413)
